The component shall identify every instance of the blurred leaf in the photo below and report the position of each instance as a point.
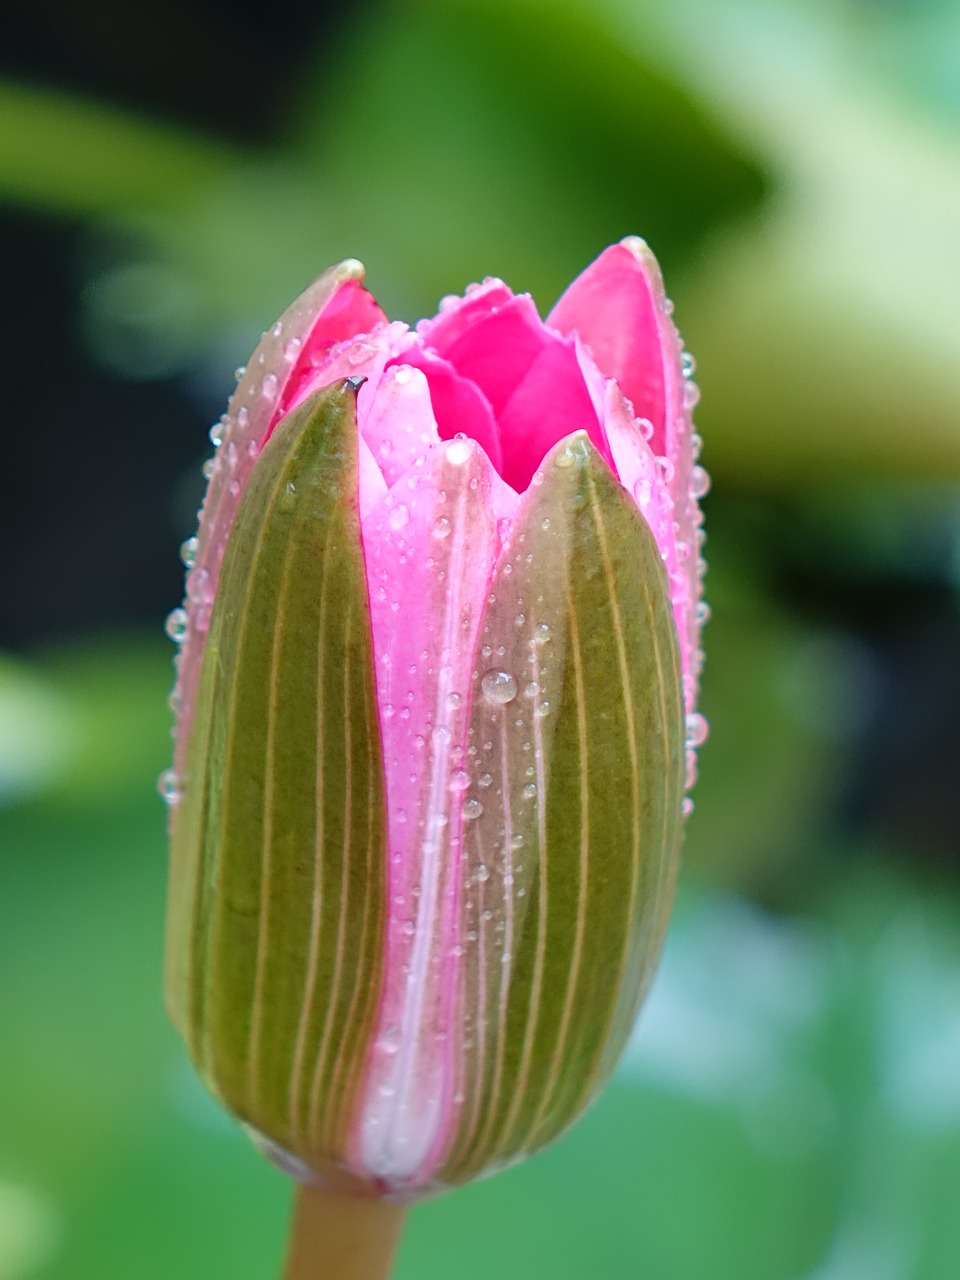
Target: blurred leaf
(828, 331)
(79, 157)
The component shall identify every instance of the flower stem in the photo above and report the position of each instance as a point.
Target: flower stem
(338, 1237)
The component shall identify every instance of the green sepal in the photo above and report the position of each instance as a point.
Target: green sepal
(579, 833)
(277, 892)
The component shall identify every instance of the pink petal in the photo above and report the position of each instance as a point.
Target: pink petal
(459, 406)
(619, 310)
(396, 418)
(614, 306)
(493, 344)
(372, 486)
(551, 402)
(430, 547)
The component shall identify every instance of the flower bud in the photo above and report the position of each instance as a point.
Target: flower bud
(434, 700)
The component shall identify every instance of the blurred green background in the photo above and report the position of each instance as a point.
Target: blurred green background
(170, 176)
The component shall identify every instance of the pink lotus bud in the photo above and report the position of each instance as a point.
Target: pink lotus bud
(435, 711)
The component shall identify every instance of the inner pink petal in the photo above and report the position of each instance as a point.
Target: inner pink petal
(613, 305)
(456, 315)
(396, 418)
(459, 406)
(496, 349)
(551, 402)
(429, 550)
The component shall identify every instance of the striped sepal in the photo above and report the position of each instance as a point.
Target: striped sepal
(278, 878)
(569, 868)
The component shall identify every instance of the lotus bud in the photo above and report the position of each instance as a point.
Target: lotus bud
(435, 720)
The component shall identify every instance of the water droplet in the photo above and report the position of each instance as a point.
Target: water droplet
(176, 625)
(691, 394)
(168, 784)
(688, 364)
(390, 1039)
(239, 371)
(441, 527)
(472, 808)
(482, 873)
(188, 552)
(665, 469)
(268, 388)
(529, 791)
(643, 492)
(200, 586)
(386, 448)
(408, 928)
(700, 482)
(545, 522)
(564, 458)
(543, 709)
(277, 329)
(498, 686)
(645, 427)
(704, 613)
(402, 373)
(697, 729)
(516, 841)
(216, 434)
(542, 633)
(386, 1091)
(686, 807)
(691, 777)
(459, 780)
(453, 701)
(398, 517)
(485, 780)
(458, 451)
(291, 348)
(208, 468)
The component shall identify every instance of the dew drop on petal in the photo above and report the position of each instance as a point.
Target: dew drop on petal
(688, 364)
(700, 482)
(697, 729)
(188, 552)
(398, 517)
(176, 625)
(168, 784)
(498, 686)
(472, 808)
(390, 1038)
(482, 873)
(457, 451)
(269, 386)
(441, 527)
